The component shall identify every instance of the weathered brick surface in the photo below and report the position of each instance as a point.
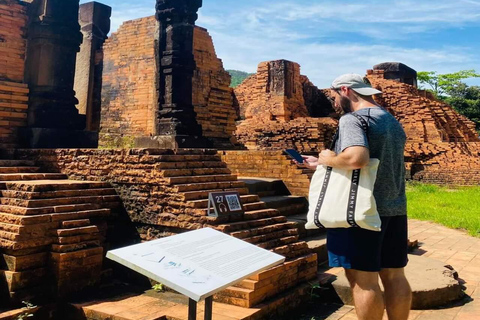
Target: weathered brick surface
(128, 95)
(165, 192)
(13, 21)
(40, 218)
(13, 93)
(274, 93)
(442, 146)
(269, 164)
(307, 135)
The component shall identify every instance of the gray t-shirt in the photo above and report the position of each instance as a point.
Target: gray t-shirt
(386, 142)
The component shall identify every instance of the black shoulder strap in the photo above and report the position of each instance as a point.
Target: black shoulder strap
(364, 127)
(362, 121)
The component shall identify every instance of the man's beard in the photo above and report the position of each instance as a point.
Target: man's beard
(345, 104)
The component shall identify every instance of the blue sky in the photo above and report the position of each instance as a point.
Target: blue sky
(329, 38)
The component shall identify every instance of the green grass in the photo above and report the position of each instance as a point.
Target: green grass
(453, 207)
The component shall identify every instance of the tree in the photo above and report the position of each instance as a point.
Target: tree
(238, 77)
(449, 84)
(450, 88)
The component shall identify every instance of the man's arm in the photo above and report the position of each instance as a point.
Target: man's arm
(351, 158)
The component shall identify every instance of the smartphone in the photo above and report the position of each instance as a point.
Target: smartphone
(294, 155)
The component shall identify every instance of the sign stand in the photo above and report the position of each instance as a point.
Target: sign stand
(192, 308)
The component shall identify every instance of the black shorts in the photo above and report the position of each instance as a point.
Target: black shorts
(366, 250)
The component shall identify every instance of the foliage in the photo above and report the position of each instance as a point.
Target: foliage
(159, 287)
(450, 88)
(116, 142)
(454, 207)
(446, 84)
(238, 77)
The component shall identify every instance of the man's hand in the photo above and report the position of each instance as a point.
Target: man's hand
(324, 157)
(309, 162)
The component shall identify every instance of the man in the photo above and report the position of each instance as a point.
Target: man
(365, 255)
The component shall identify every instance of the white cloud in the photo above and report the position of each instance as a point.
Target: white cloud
(323, 62)
(305, 31)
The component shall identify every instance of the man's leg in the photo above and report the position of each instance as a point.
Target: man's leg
(366, 294)
(398, 294)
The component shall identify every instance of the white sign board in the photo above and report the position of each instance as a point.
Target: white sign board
(197, 263)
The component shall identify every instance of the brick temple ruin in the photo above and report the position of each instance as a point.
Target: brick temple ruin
(157, 100)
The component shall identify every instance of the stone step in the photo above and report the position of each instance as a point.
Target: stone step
(77, 239)
(278, 243)
(65, 248)
(187, 158)
(293, 250)
(260, 214)
(265, 238)
(287, 204)
(18, 169)
(318, 244)
(265, 186)
(22, 231)
(243, 225)
(15, 163)
(252, 232)
(33, 224)
(201, 179)
(25, 244)
(254, 206)
(76, 231)
(31, 176)
(190, 165)
(24, 262)
(301, 220)
(209, 185)
(198, 195)
(433, 284)
(76, 223)
(23, 279)
(50, 210)
(171, 173)
(203, 204)
(54, 185)
(56, 194)
(40, 203)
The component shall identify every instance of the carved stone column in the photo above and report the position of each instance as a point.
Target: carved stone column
(176, 124)
(54, 39)
(94, 19)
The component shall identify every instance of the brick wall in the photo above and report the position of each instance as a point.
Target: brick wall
(166, 192)
(442, 146)
(269, 164)
(13, 20)
(307, 135)
(128, 93)
(212, 95)
(13, 93)
(274, 93)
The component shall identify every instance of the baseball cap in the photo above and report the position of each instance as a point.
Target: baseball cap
(356, 83)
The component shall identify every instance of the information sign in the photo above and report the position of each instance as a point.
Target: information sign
(198, 263)
(224, 203)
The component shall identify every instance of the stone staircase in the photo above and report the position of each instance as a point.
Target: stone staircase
(52, 231)
(260, 225)
(166, 192)
(275, 194)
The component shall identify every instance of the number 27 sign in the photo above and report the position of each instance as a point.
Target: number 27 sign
(224, 203)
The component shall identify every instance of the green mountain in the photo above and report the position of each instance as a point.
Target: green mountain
(238, 77)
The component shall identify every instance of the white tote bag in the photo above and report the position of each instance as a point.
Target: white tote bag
(343, 198)
(340, 198)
